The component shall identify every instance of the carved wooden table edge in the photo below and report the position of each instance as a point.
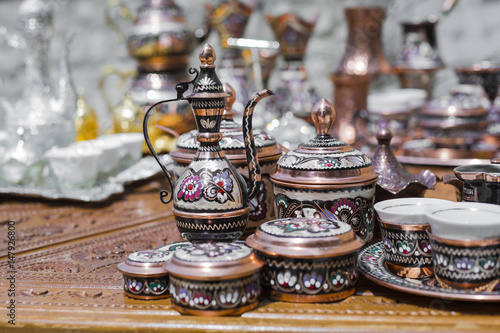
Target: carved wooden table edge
(42, 223)
(81, 293)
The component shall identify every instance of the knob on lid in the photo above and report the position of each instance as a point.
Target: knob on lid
(323, 116)
(207, 85)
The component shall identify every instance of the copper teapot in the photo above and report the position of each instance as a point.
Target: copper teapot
(211, 199)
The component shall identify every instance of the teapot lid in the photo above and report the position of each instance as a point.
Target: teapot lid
(324, 161)
(232, 142)
(213, 261)
(305, 238)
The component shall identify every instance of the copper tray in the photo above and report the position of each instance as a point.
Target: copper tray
(371, 264)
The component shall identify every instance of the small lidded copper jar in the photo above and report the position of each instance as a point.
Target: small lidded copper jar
(144, 276)
(307, 259)
(326, 178)
(214, 279)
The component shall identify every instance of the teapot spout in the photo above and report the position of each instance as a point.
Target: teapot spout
(67, 91)
(251, 151)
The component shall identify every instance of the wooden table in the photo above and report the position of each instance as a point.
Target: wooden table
(66, 279)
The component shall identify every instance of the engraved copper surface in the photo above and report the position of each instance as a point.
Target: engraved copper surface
(394, 180)
(364, 54)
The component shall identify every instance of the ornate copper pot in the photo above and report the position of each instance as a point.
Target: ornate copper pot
(326, 178)
(211, 199)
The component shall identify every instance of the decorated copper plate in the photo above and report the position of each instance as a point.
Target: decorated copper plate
(371, 264)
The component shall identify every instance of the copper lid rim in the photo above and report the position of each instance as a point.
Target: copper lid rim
(307, 247)
(142, 271)
(185, 155)
(212, 215)
(216, 270)
(284, 179)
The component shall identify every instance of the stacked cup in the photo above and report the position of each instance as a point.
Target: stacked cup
(465, 240)
(403, 225)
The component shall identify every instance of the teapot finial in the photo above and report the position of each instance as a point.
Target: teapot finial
(384, 136)
(228, 109)
(207, 56)
(323, 116)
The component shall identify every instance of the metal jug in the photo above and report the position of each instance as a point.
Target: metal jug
(211, 199)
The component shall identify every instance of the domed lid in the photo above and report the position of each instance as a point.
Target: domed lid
(305, 238)
(213, 261)
(462, 102)
(232, 142)
(324, 161)
(149, 262)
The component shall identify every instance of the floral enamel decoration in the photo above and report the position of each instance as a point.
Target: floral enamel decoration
(191, 188)
(219, 186)
(216, 186)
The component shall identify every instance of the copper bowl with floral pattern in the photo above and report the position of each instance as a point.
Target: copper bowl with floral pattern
(214, 279)
(307, 259)
(326, 178)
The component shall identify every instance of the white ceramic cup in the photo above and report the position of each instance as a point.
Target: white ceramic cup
(73, 168)
(465, 220)
(406, 210)
(131, 151)
(110, 160)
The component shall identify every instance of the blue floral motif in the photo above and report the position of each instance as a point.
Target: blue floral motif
(464, 264)
(219, 186)
(312, 282)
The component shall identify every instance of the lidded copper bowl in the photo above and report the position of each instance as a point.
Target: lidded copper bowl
(144, 276)
(458, 119)
(307, 259)
(214, 279)
(233, 146)
(326, 178)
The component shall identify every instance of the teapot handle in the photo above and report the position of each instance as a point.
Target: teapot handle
(251, 151)
(106, 72)
(181, 88)
(123, 12)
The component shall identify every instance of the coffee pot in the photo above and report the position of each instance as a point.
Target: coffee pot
(210, 198)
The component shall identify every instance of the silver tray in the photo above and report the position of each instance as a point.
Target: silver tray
(144, 169)
(371, 264)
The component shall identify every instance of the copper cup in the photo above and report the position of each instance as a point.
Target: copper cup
(466, 264)
(408, 249)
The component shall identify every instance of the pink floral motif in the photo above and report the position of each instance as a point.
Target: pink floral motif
(191, 189)
(343, 209)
